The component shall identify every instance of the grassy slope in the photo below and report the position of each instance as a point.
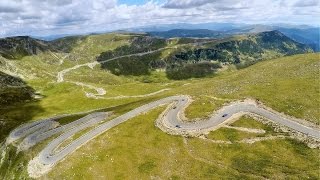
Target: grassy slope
(40, 72)
(248, 122)
(145, 151)
(270, 159)
(45, 65)
(276, 158)
(288, 85)
(268, 81)
(227, 134)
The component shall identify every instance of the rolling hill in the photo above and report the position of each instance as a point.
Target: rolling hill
(199, 59)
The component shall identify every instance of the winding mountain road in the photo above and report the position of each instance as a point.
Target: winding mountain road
(171, 121)
(101, 91)
(74, 127)
(60, 76)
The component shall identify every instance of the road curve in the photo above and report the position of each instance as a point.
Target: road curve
(170, 121)
(75, 126)
(25, 129)
(173, 117)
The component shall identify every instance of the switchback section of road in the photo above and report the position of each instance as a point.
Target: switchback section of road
(170, 121)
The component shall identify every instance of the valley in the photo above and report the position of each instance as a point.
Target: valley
(128, 77)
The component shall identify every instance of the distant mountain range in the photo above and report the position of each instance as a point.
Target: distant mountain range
(309, 36)
(189, 33)
(224, 27)
(303, 34)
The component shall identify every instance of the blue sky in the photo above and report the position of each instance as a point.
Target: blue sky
(48, 17)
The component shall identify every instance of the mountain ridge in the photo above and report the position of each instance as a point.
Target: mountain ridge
(200, 60)
(20, 46)
(305, 35)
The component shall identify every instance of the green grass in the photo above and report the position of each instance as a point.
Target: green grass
(12, 117)
(68, 119)
(226, 134)
(147, 167)
(202, 107)
(288, 85)
(96, 44)
(97, 76)
(145, 151)
(15, 164)
(133, 153)
(74, 137)
(233, 135)
(276, 159)
(248, 122)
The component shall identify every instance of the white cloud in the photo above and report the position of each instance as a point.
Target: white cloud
(45, 17)
(307, 3)
(9, 7)
(184, 4)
